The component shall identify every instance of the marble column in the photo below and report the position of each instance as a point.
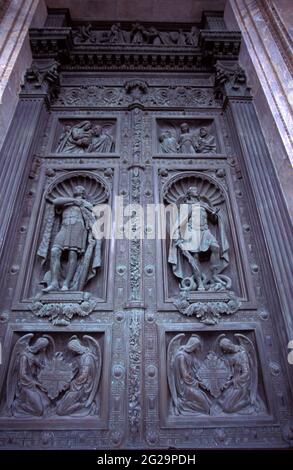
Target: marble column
(268, 209)
(266, 56)
(18, 151)
(16, 17)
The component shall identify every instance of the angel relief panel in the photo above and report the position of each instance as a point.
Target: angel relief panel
(85, 136)
(212, 374)
(186, 136)
(200, 251)
(55, 375)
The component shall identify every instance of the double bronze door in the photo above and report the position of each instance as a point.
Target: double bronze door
(128, 340)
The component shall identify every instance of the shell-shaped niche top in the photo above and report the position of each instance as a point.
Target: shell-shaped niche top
(175, 189)
(96, 189)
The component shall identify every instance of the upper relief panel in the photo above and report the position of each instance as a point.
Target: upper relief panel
(137, 34)
(85, 136)
(136, 46)
(186, 137)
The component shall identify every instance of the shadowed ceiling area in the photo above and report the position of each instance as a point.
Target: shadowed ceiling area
(185, 11)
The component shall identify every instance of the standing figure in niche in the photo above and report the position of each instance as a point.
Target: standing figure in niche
(101, 142)
(74, 239)
(205, 143)
(168, 143)
(191, 236)
(186, 142)
(26, 395)
(80, 398)
(183, 363)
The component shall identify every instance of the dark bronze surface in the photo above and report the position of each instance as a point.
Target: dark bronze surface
(123, 343)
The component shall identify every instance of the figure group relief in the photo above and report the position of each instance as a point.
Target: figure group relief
(86, 137)
(138, 35)
(186, 140)
(217, 379)
(44, 382)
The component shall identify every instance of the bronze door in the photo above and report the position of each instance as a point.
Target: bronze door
(141, 338)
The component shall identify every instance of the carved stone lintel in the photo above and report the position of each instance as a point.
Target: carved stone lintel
(61, 313)
(208, 312)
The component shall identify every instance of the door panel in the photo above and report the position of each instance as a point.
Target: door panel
(133, 354)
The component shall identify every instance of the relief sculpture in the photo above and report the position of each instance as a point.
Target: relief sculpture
(187, 141)
(85, 137)
(43, 382)
(185, 388)
(221, 381)
(192, 237)
(137, 35)
(75, 238)
(68, 247)
(199, 251)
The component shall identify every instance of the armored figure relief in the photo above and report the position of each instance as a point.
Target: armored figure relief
(188, 142)
(83, 137)
(25, 394)
(191, 237)
(75, 254)
(183, 362)
(80, 397)
(43, 382)
(216, 379)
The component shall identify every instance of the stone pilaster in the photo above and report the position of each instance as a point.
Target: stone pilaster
(18, 150)
(266, 55)
(263, 192)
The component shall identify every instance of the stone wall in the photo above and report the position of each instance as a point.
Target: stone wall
(266, 56)
(15, 54)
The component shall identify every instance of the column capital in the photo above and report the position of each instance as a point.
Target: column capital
(230, 81)
(42, 80)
